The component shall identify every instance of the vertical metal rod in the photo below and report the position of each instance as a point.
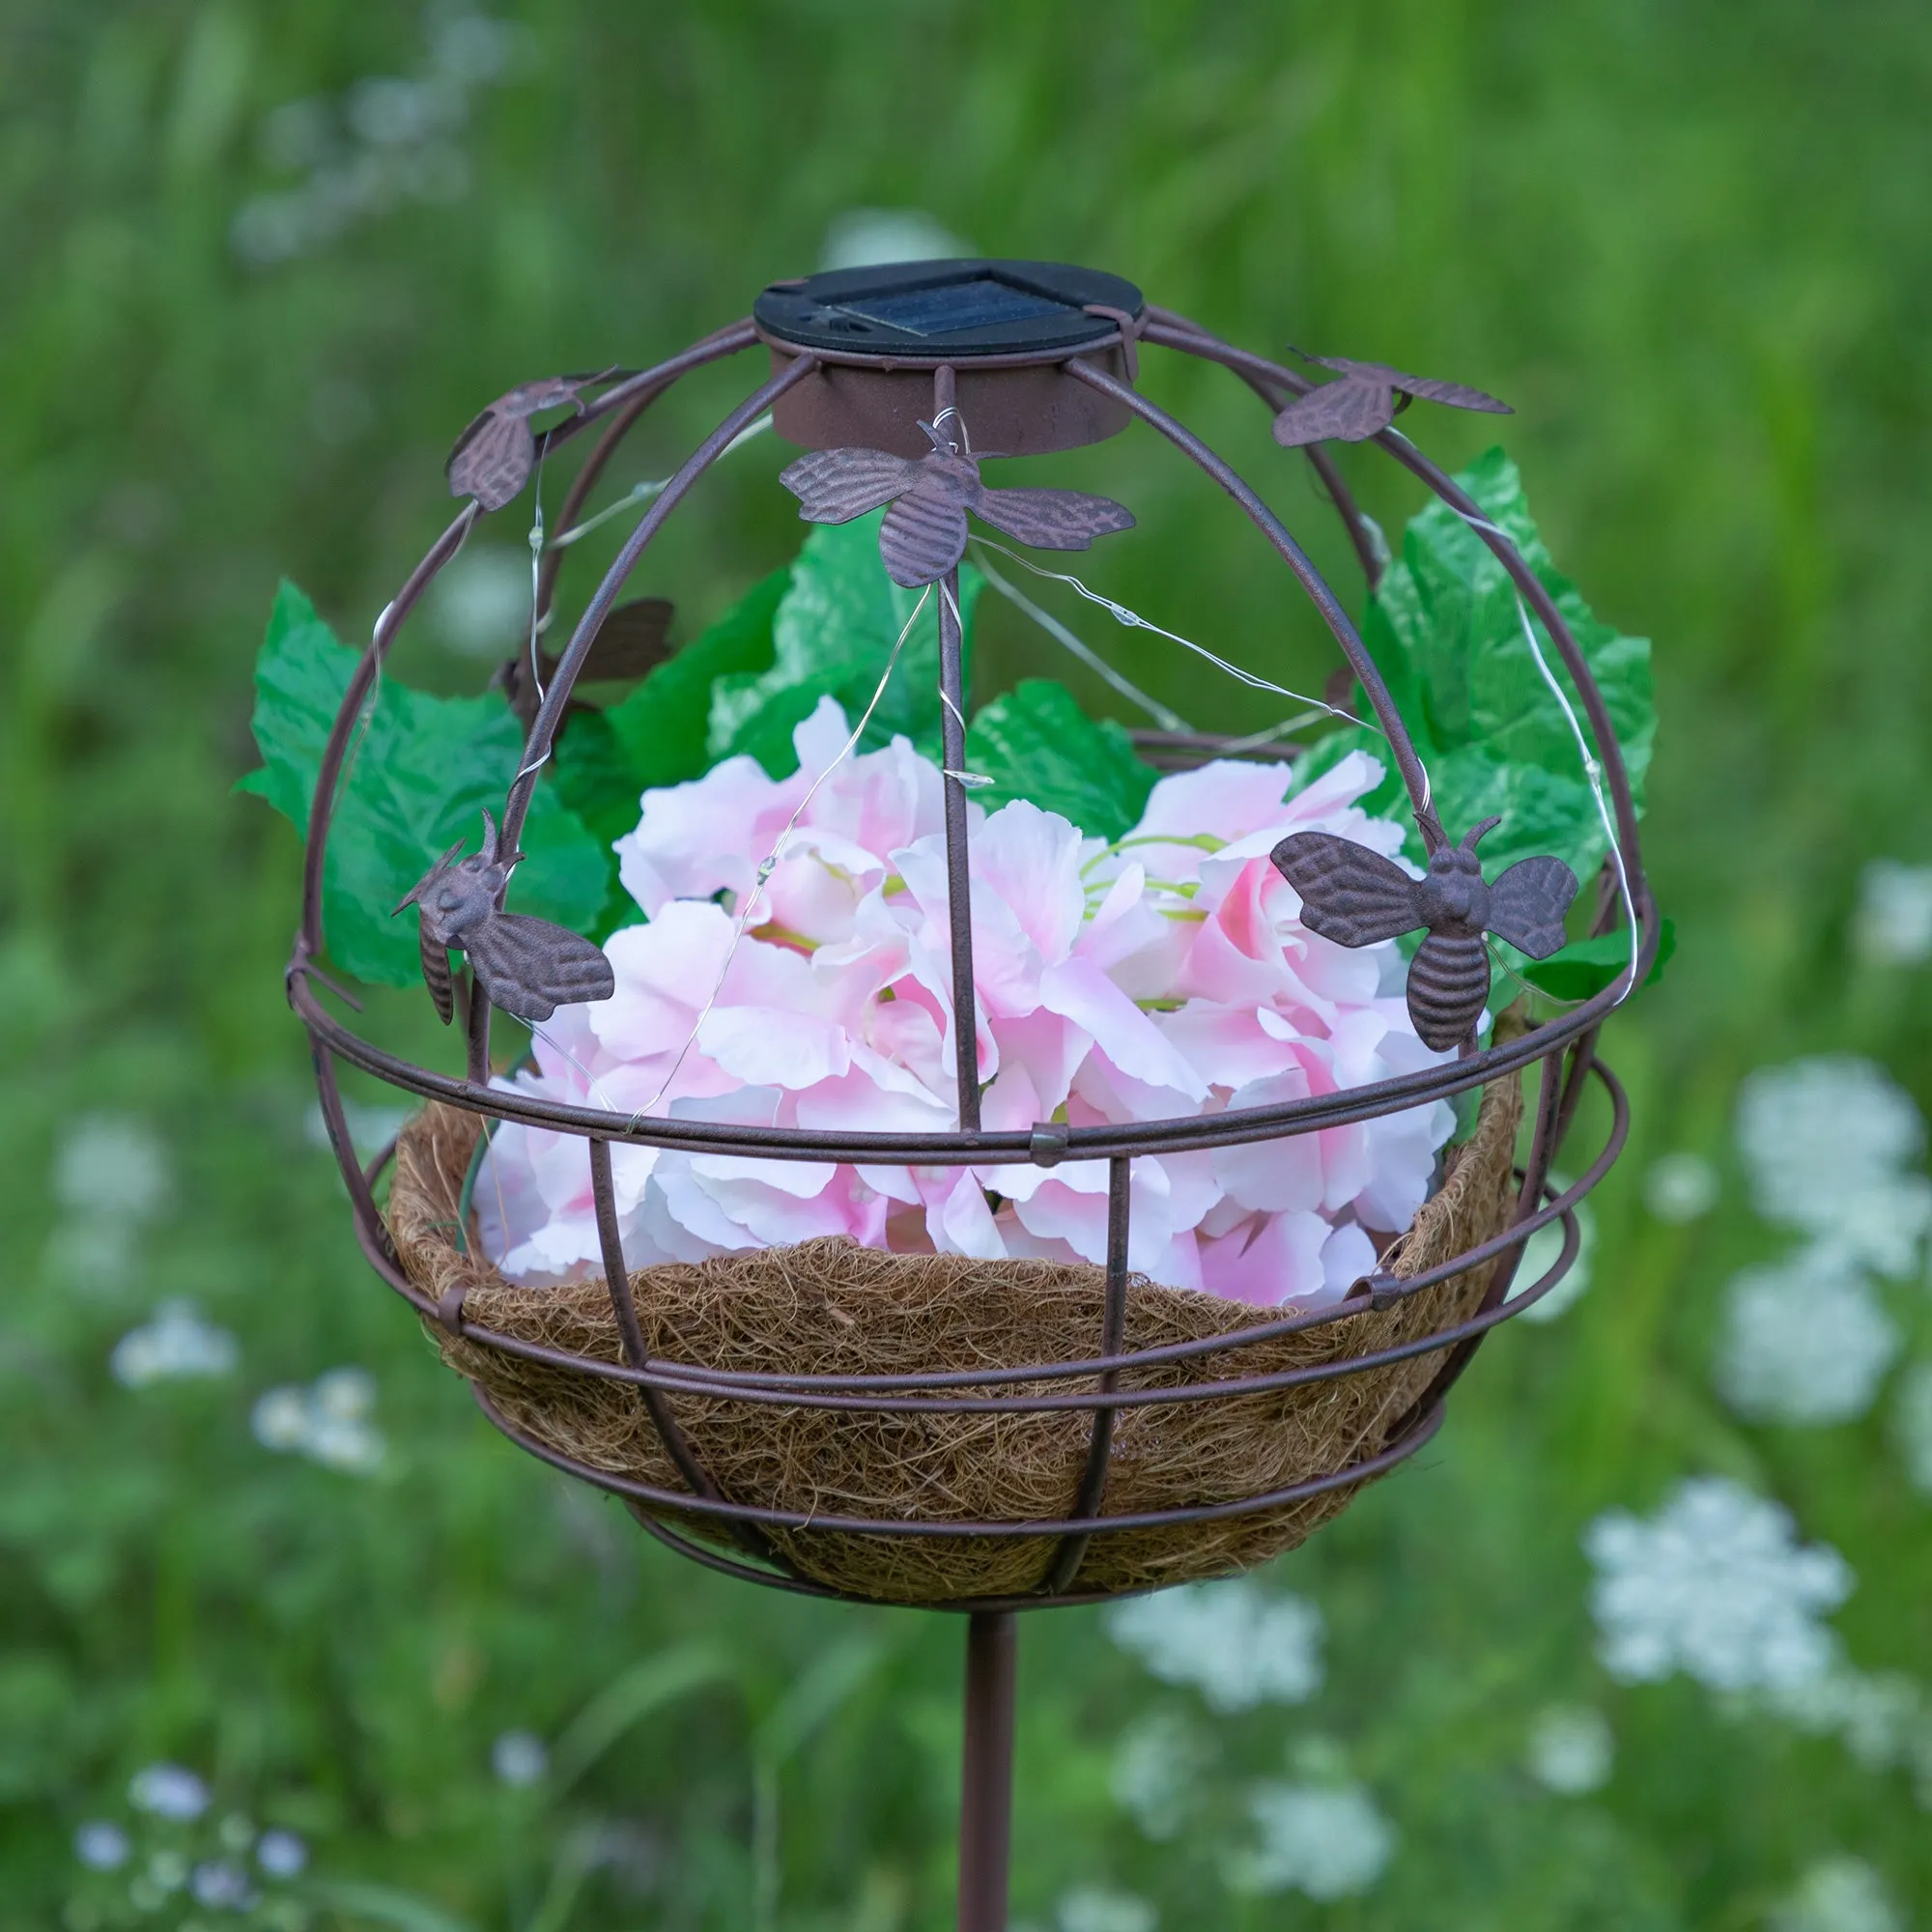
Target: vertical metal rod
(986, 1776)
(617, 1280)
(958, 885)
(476, 1028)
(1113, 1329)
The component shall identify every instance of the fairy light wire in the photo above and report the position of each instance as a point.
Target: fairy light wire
(1166, 718)
(642, 493)
(1134, 621)
(972, 781)
(1593, 771)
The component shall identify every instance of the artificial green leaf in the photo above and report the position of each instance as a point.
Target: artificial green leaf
(831, 637)
(1445, 627)
(1035, 742)
(594, 778)
(661, 727)
(419, 778)
(1587, 966)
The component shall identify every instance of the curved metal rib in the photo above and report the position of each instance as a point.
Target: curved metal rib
(1092, 1489)
(1323, 598)
(617, 1279)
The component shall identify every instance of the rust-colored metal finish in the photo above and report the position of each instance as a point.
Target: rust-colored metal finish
(1008, 329)
(1017, 358)
(986, 1770)
(1357, 897)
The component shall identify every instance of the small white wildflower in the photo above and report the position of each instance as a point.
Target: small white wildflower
(1681, 1187)
(101, 1846)
(1894, 918)
(865, 238)
(177, 1345)
(480, 606)
(1838, 1894)
(1326, 1840)
(391, 113)
(328, 1422)
(1805, 1340)
(281, 1854)
(1827, 1142)
(1095, 1909)
(1715, 1585)
(1538, 1257)
(1571, 1750)
(346, 1394)
(279, 1419)
(1236, 1643)
(1155, 1771)
(222, 1885)
(112, 1165)
(1911, 1426)
(1878, 1716)
(519, 1758)
(351, 1447)
(169, 1791)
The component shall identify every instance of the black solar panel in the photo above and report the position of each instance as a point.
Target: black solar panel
(980, 303)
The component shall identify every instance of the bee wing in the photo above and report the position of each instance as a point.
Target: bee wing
(632, 640)
(833, 486)
(492, 457)
(1457, 395)
(1052, 519)
(923, 535)
(435, 971)
(1527, 903)
(530, 967)
(1350, 410)
(1349, 893)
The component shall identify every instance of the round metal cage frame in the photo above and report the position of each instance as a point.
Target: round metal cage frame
(1564, 1046)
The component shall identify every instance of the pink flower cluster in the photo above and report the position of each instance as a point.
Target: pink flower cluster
(1164, 974)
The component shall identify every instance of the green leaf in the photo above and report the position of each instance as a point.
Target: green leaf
(1587, 966)
(1035, 742)
(833, 633)
(661, 727)
(1445, 627)
(593, 777)
(420, 778)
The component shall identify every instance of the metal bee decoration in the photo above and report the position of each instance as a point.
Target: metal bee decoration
(1365, 400)
(1357, 897)
(494, 457)
(925, 533)
(634, 641)
(526, 966)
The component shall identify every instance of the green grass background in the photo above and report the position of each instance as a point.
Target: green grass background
(1689, 241)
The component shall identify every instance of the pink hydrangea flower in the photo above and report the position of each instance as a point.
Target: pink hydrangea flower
(1165, 974)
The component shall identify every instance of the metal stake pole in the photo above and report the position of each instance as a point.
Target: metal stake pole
(986, 1781)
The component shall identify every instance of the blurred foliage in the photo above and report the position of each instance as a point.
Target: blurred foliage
(246, 306)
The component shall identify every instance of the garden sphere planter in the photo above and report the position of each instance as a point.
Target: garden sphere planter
(983, 1437)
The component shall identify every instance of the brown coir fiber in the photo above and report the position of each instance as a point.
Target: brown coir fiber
(829, 1307)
